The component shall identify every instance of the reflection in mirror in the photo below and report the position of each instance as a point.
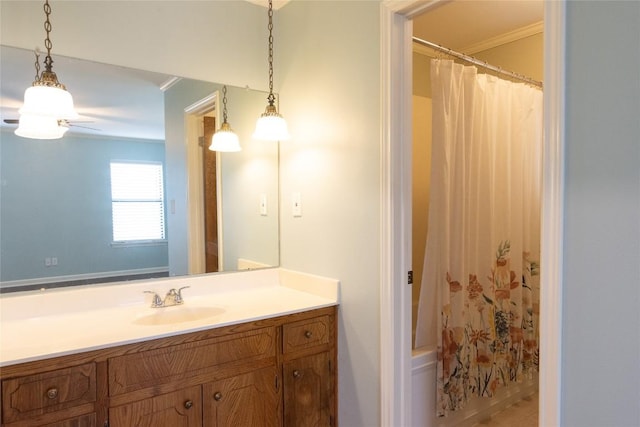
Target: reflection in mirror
(220, 210)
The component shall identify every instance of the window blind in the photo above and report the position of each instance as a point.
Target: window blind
(137, 201)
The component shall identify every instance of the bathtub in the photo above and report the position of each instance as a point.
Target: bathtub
(423, 387)
(423, 394)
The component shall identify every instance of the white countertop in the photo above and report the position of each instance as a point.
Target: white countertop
(40, 325)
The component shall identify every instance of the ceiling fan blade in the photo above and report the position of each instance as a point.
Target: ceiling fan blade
(83, 127)
(72, 123)
(61, 123)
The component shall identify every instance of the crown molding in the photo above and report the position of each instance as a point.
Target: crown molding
(511, 36)
(277, 4)
(491, 43)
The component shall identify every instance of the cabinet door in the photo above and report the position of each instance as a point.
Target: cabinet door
(249, 400)
(182, 408)
(308, 391)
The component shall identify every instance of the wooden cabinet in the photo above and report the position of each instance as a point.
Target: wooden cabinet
(273, 372)
(246, 400)
(309, 372)
(53, 395)
(88, 420)
(182, 408)
(308, 391)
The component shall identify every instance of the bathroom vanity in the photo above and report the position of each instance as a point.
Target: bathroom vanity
(263, 355)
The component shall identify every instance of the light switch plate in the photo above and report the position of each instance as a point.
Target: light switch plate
(263, 204)
(296, 205)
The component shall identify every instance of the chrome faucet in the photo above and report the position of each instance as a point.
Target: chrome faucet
(173, 297)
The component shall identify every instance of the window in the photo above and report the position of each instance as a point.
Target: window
(137, 201)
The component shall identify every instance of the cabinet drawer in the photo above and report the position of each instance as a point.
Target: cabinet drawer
(154, 367)
(35, 395)
(305, 333)
(180, 408)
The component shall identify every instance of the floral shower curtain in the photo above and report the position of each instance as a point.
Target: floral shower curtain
(479, 301)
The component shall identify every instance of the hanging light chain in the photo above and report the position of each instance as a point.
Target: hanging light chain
(37, 64)
(47, 77)
(224, 104)
(48, 62)
(271, 97)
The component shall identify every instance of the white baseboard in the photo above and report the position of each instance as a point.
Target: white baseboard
(81, 277)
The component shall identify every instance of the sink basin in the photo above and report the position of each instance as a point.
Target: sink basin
(177, 314)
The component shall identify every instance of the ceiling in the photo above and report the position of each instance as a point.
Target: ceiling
(464, 25)
(117, 101)
(111, 100)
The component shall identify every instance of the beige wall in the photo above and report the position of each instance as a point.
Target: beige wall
(421, 164)
(524, 56)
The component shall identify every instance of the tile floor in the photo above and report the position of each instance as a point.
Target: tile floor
(520, 414)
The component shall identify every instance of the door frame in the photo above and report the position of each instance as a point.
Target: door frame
(193, 117)
(395, 205)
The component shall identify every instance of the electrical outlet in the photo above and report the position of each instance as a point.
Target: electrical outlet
(54, 260)
(47, 262)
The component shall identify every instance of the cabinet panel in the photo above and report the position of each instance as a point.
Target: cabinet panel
(308, 391)
(179, 409)
(305, 333)
(150, 368)
(246, 400)
(88, 420)
(34, 395)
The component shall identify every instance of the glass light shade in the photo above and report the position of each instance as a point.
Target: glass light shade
(225, 139)
(48, 101)
(271, 126)
(39, 127)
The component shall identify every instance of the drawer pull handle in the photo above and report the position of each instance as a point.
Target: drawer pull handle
(296, 374)
(188, 404)
(217, 396)
(52, 393)
(308, 334)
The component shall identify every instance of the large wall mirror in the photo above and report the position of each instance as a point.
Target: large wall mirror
(56, 205)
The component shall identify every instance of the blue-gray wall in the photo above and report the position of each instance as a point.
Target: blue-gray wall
(55, 201)
(244, 176)
(601, 293)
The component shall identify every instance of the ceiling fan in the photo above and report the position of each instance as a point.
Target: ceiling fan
(61, 122)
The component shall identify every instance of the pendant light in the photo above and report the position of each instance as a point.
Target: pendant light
(40, 127)
(271, 126)
(47, 101)
(225, 139)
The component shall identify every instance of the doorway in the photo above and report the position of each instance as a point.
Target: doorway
(205, 243)
(396, 33)
(210, 195)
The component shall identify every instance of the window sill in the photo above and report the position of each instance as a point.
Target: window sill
(122, 244)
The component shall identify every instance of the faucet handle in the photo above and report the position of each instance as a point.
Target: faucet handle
(179, 299)
(157, 301)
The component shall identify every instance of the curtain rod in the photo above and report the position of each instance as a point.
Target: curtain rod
(477, 62)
